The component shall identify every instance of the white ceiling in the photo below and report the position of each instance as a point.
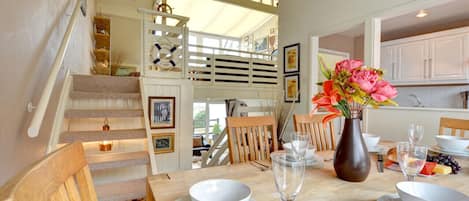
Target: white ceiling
(207, 16)
(456, 10)
(219, 18)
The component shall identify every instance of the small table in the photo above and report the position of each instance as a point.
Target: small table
(319, 184)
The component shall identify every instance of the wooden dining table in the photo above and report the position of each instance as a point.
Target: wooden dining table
(320, 184)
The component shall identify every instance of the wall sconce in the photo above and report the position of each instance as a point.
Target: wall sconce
(105, 145)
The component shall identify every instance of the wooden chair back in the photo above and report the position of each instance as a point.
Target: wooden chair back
(251, 138)
(61, 175)
(322, 135)
(454, 125)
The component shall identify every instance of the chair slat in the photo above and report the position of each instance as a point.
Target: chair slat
(255, 143)
(238, 142)
(72, 190)
(85, 184)
(322, 135)
(261, 143)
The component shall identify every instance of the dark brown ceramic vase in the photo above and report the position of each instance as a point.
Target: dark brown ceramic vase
(351, 161)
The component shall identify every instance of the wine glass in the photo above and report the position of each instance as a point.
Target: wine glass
(415, 133)
(288, 175)
(300, 143)
(411, 159)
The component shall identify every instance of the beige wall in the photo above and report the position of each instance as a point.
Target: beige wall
(339, 43)
(30, 35)
(359, 47)
(419, 30)
(261, 32)
(125, 40)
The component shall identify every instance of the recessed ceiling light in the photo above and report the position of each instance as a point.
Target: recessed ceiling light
(421, 13)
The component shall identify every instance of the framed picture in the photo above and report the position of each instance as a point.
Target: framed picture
(260, 45)
(163, 142)
(292, 88)
(291, 58)
(161, 111)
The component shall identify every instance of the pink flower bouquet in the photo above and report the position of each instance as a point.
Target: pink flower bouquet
(351, 86)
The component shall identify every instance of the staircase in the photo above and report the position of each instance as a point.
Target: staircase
(118, 174)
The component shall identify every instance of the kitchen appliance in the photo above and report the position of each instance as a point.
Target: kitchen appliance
(465, 98)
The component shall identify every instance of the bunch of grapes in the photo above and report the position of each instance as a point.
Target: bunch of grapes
(445, 160)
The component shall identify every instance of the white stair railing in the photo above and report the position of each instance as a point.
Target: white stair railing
(218, 154)
(36, 122)
(221, 66)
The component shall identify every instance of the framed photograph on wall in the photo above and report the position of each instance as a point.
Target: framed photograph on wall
(260, 45)
(291, 58)
(163, 142)
(292, 88)
(161, 111)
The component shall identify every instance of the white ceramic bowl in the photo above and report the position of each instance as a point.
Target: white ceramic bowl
(419, 191)
(371, 140)
(309, 152)
(220, 190)
(452, 143)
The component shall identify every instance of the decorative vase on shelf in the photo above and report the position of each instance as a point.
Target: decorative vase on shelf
(351, 161)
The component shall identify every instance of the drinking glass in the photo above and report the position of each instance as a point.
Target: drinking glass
(415, 133)
(300, 144)
(411, 159)
(288, 175)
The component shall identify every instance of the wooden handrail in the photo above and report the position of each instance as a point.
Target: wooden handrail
(36, 122)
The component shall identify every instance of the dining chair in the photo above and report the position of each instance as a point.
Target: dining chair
(251, 138)
(322, 135)
(454, 124)
(61, 175)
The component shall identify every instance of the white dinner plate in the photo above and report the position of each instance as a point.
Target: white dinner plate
(389, 197)
(438, 149)
(315, 162)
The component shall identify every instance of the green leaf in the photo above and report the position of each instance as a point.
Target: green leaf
(358, 99)
(389, 102)
(319, 83)
(324, 70)
(344, 108)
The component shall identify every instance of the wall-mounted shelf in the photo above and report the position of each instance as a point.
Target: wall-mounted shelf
(102, 51)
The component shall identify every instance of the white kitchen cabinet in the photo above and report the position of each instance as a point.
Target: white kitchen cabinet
(387, 62)
(411, 61)
(436, 58)
(448, 57)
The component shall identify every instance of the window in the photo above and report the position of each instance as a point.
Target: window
(215, 41)
(209, 119)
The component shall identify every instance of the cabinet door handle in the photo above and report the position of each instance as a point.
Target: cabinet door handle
(393, 75)
(425, 68)
(430, 68)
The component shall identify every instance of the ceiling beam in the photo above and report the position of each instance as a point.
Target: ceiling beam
(253, 5)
